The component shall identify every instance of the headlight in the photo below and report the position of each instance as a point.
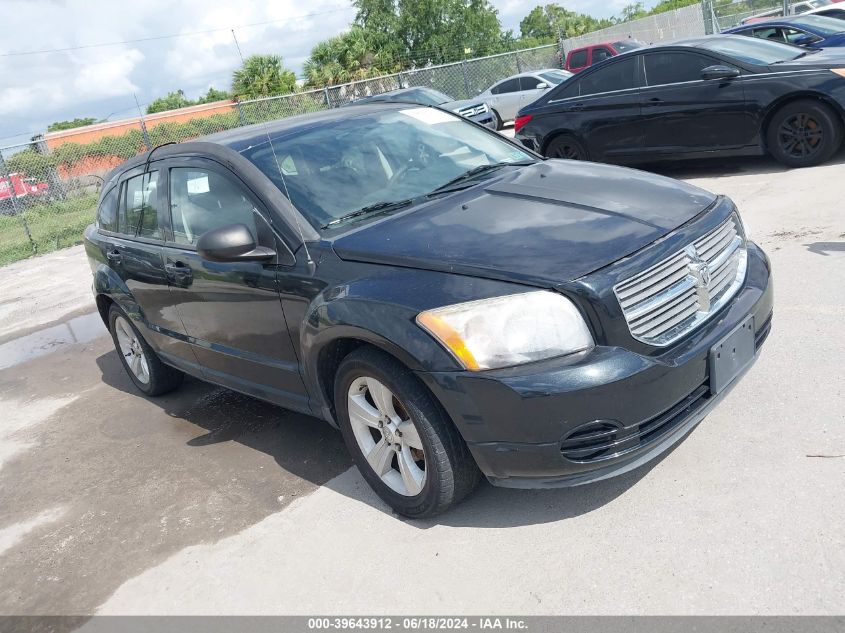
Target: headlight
(507, 331)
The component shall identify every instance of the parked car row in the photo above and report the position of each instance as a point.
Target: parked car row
(721, 95)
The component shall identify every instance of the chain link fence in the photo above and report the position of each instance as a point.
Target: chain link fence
(724, 14)
(49, 187)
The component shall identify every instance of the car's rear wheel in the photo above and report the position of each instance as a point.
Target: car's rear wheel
(143, 365)
(566, 147)
(400, 437)
(804, 133)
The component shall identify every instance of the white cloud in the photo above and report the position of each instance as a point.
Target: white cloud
(38, 89)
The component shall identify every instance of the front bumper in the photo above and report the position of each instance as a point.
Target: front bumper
(519, 422)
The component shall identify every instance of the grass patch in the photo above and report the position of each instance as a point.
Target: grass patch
(52, 225)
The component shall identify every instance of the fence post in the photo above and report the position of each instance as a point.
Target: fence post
(4, 173)
(57, 185)
(328, 99)
(561, 52)
(144, 134)
(466, 79)
(518, 63)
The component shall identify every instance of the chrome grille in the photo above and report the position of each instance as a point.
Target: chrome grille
(672, 298)
(473, 110)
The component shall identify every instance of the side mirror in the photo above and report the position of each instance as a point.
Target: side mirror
(232, 243)
(719, 72)
(542, 85)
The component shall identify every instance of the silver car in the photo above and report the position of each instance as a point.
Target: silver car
(473, 109)
(509, 95)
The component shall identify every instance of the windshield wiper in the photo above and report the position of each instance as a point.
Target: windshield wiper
(378, 207)
(456, 183)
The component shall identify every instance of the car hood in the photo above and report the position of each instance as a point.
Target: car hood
(541, 224)
(824, 58)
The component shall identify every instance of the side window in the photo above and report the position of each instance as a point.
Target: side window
(578, 59)
(617, 76)
(202, 199)
(793, 35)
(107, 213)
(511, 85)
(601, 54)
(530, 83)
(768, 33)
(672, 68)
(140, 208)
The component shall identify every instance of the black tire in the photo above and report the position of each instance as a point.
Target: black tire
(450, 470)
(162, 378)
(566, 147)
(499, 124)
(804, 133)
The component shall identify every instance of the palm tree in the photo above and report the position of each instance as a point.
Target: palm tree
(262, 76)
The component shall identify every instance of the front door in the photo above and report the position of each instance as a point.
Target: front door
(231, 311)
(681, 112)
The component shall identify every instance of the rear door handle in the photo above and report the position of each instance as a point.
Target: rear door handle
(114, 256)
(577, 106)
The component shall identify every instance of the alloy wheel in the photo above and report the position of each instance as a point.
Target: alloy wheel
(800, 136)
(133, 352)
(386, 436)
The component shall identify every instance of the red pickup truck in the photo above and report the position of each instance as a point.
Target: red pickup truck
(20, 188)
(580, 58)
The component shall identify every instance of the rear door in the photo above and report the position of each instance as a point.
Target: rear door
(132, 242)
(681, 112)
(506, 99)
(601, 107)
(232, 311)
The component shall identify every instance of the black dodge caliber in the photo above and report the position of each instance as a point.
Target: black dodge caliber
(455, 304)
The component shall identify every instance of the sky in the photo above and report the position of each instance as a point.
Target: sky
(100, 81)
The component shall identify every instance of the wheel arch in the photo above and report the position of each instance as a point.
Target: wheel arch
(332, 352)
(563, 132)
(780, 103)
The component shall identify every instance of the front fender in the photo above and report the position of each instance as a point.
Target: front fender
(381, 310)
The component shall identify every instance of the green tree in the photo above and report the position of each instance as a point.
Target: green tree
(214, 95)
(671, 5)
(262, 76)
(69, 125)
(173, 101)
(633, 11)
(549, 22)
(347, 57)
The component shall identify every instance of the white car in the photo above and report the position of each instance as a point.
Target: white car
(509, 95)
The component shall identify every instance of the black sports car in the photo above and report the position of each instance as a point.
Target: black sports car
(718, 95)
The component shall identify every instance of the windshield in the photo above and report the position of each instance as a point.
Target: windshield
(624, 47)
(752, 50)
(820, 25)
(812, 4)
(555, 76)
(342, 166)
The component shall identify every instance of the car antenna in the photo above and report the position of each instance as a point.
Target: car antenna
(309, 261)
(146, 167)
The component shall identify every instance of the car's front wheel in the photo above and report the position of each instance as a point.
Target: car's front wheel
(143, 365)
(400, 437)
(804, 133)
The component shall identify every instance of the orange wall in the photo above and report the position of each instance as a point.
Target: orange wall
(90, 133)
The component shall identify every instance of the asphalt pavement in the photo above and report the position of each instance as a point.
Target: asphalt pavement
(206, 501)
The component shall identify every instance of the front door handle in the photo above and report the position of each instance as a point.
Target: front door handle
(178, 272)
(114, 257)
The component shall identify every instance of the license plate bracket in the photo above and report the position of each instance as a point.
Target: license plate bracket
(730, 356)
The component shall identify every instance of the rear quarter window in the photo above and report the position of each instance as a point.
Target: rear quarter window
(107, 212)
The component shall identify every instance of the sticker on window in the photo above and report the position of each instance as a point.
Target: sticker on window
(431, 116)
(198, 185)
